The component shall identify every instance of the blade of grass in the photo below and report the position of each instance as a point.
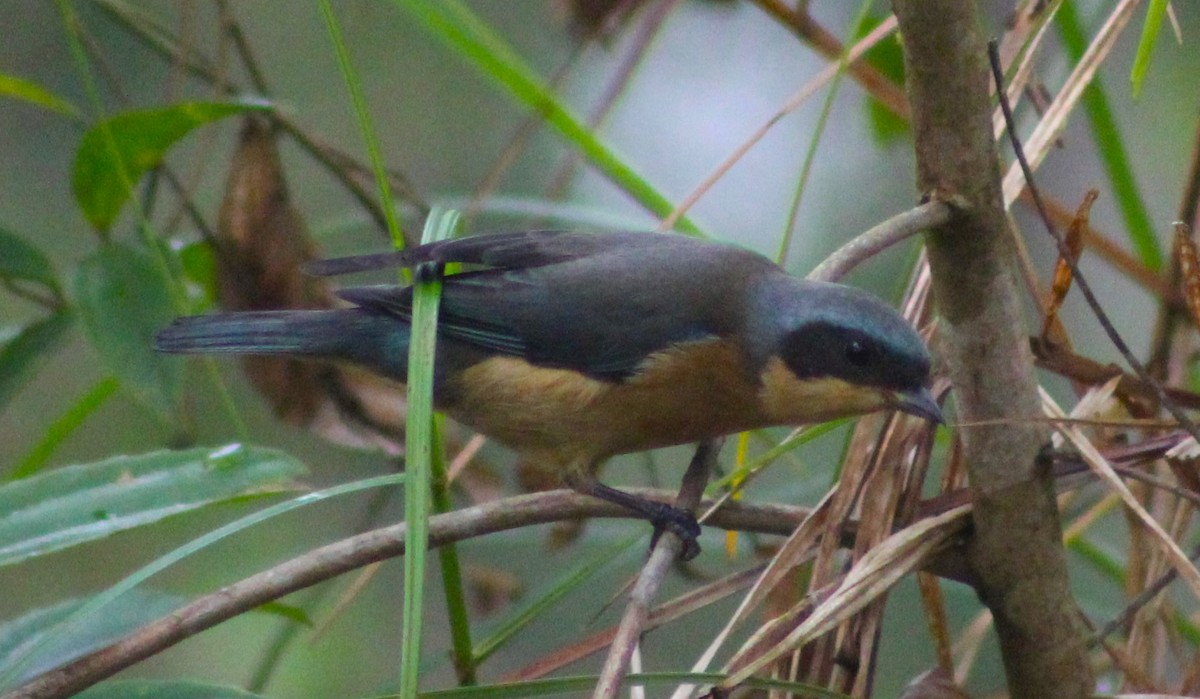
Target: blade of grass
(1110, 145)
(93, 606)
(465, 660)
(60, 429)
(567, 583)
(810, 156)
(419, 446)
(471, 37)
(363, 117)
(1156, 12)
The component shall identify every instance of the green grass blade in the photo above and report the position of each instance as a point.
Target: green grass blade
(419, 446)
(567, 583)
(1111, 148)
(810, 155)
(362, 116)
(61, 428)
(72, 623)
(791, 443)
(471, 37)
(1156, 13)
(452, 580)
(31, 92)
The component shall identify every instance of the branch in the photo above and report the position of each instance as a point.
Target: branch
(882, 236)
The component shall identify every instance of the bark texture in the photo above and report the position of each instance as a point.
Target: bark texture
(1016, 550)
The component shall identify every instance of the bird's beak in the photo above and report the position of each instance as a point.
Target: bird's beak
(920, 403)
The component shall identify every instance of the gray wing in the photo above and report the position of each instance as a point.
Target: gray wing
(598, 304)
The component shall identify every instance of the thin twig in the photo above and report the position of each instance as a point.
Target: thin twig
(234, 30)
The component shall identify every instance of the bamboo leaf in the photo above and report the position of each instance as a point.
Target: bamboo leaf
(19, 88)
(117, 151)
(93, 605)
(76, 504)
(1156, 13)
(20, 356)
(130, 612)
(20, 260)
(164, 689)
(124, 300)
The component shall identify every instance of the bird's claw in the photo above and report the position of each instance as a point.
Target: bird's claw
(682, 524)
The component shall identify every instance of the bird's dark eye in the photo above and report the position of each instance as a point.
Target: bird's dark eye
(858, 353)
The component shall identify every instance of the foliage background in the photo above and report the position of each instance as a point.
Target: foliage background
(714, 73)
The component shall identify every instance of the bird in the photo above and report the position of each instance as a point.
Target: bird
(574, 347)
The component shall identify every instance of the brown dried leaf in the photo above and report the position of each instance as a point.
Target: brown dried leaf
(1189, 269)
(1062, 270)
(872, 576)
(262, 243)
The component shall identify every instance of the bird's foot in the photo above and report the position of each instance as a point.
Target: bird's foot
(679, 522)
(664, 517)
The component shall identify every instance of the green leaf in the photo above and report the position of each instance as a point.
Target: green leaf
(115, 153)
(20, 356)
(288, 611)
(124, 300)
(99, 630)
(164, 689)
(21, 260)
(22, 89)
(419, 446)
(199, 265)
(76, 504)
(101, 601)
(1156, 13)
(887, 57)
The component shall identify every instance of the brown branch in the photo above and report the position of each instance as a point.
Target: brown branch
(1016, 552)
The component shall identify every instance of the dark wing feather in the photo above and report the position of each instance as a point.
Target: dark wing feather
(499, 250)
(596, 304)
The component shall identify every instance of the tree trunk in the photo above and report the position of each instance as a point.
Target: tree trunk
(1016, 550)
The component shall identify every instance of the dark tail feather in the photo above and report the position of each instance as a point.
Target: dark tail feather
(345, 334)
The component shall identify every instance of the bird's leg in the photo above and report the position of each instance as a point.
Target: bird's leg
(664, 517)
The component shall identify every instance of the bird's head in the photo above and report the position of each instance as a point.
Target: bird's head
(827, 350)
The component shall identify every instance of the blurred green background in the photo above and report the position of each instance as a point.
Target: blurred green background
(714, 73)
